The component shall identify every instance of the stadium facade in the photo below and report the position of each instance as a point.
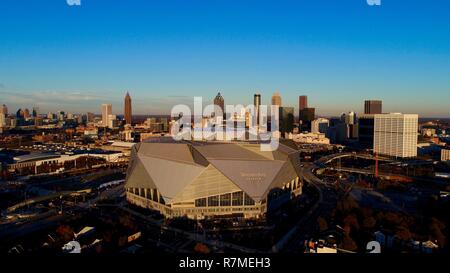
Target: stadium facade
(211, 179)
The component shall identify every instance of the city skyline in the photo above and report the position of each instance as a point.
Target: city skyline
(126, 101)
(338, 54)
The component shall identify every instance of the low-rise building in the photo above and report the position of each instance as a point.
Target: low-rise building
(310, 138)
(445, 155)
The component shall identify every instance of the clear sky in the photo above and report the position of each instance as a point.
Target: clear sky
(338, 52)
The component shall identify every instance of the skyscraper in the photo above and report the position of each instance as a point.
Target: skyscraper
(349, 118)
(396, 135)
(90, 117)
(2, 120)
(302, 102)
(350, 125)
(320, 125)
(257, 103)
(35, 112)
(286, 116)
(276, 99)
(373, 107)
(127, 109)
(106, 111)
(366, 130)
(26, 113)
(4, 110)
(219, 101)
(307, 115)
(19, 113)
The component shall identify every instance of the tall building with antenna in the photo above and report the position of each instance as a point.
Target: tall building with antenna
(127, 109)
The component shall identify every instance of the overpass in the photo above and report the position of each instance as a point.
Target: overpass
(39, 199)
(327, 159)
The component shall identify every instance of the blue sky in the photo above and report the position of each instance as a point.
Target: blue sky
(165, 52)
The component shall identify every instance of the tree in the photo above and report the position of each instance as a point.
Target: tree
(348, 243)
(403, 233)
(65, 232)
(201, 248)
(352, 221)
(369, 222)
(323, 225)
(436, 231)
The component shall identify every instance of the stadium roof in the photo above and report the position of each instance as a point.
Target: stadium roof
(172, 167)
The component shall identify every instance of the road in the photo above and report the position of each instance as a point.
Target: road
(307, 226)
(52, 218)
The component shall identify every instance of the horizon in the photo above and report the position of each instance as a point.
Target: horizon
(338, 53)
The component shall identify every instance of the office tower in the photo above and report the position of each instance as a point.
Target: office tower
(106, 111)
(247, 119)
(13, 123)
(366, 126)
(396, 135)
(4, 110)
(351, 126)
(349, 118)
(257, 103)
(35, 112)
(320, 126)
(61, 115)
(373, 107)
(90, 117)
(164, 123)
(2, 120)
(38, 121)
(307, 115)
(26, 113)
(127, 109)
(219, 101)
(302, 102)
(112, 121)
(82, 119)
(276, 99)
(19, 114)
(286, 123)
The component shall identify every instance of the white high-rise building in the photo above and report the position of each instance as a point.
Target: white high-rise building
(320, 125)
(106, 111)
(395, 135)
(112, 121)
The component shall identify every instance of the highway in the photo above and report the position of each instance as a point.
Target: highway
(307, 226)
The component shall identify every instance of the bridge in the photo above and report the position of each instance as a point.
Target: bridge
(329, 158)
(39, 199)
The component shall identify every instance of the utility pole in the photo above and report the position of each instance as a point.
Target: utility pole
(376, 165)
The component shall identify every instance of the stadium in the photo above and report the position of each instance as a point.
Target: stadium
(202, 180)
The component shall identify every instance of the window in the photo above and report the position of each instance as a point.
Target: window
(155, 195)
(200, 202)
(161, 200)
(213, 201)
(237, 198)
(248, 201)
(225, 200)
